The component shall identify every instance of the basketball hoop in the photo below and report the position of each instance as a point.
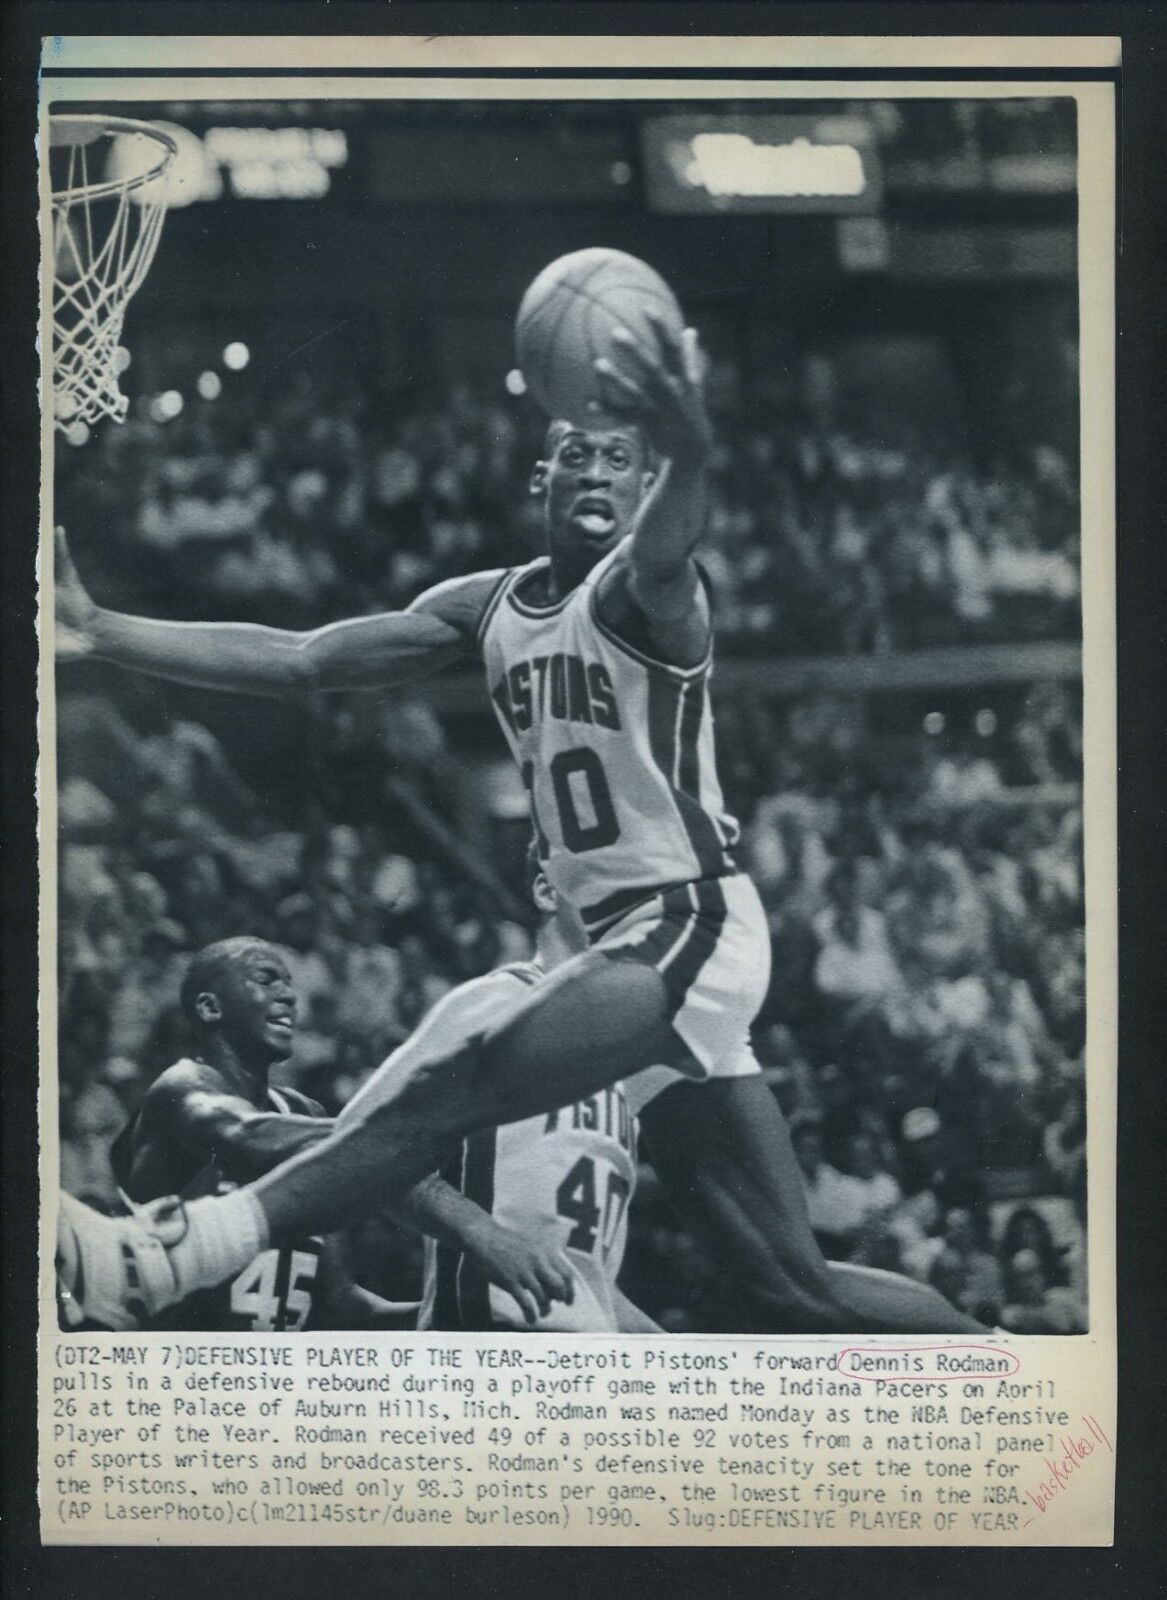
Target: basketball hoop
(108, 182)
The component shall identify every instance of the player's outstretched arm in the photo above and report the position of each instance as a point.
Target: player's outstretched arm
(533, 1273)
(662, 392)
(373, 652)
(245, 1142)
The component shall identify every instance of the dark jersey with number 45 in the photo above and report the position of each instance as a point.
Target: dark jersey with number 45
(275, 1293)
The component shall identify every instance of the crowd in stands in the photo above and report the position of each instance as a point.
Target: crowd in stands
(317, 500)
(924, 1028)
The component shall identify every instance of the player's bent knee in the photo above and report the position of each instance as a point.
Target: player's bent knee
(802, 1280)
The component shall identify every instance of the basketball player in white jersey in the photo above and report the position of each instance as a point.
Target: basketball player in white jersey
(598, 658)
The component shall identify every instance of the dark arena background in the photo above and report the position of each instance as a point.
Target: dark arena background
(325, 419)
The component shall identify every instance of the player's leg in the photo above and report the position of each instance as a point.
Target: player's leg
(723, 1152)
(900, 1304)
(588, 1025)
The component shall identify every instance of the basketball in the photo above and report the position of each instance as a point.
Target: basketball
(567, 317)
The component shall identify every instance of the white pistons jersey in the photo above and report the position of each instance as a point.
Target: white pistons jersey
(616, 750)
(565, 1178)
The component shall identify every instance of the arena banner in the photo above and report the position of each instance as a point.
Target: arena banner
(656, 1085)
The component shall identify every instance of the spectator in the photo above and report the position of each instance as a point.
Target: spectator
(915, 1228)
(1027, 1230)
(1064, 1147)
(93, 1120)
(299, 932)
(1033, 1304)
(147, 986)
(982, 1291)
(371, 978)
(879, 1191)
(949, 1274)
(835, 1203)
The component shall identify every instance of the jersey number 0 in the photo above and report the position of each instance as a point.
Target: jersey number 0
(583, 799)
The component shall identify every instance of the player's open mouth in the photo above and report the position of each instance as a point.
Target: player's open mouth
(281, 1022)
(593, 517)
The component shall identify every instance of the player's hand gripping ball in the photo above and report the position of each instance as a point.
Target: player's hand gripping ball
(568, 316)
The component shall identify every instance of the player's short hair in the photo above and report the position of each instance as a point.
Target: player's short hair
(207, 967)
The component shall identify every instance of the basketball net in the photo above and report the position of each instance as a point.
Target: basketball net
(108, 198)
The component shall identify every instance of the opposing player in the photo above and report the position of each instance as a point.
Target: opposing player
(598, 658)
(527, 1230)
(213, 1120)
